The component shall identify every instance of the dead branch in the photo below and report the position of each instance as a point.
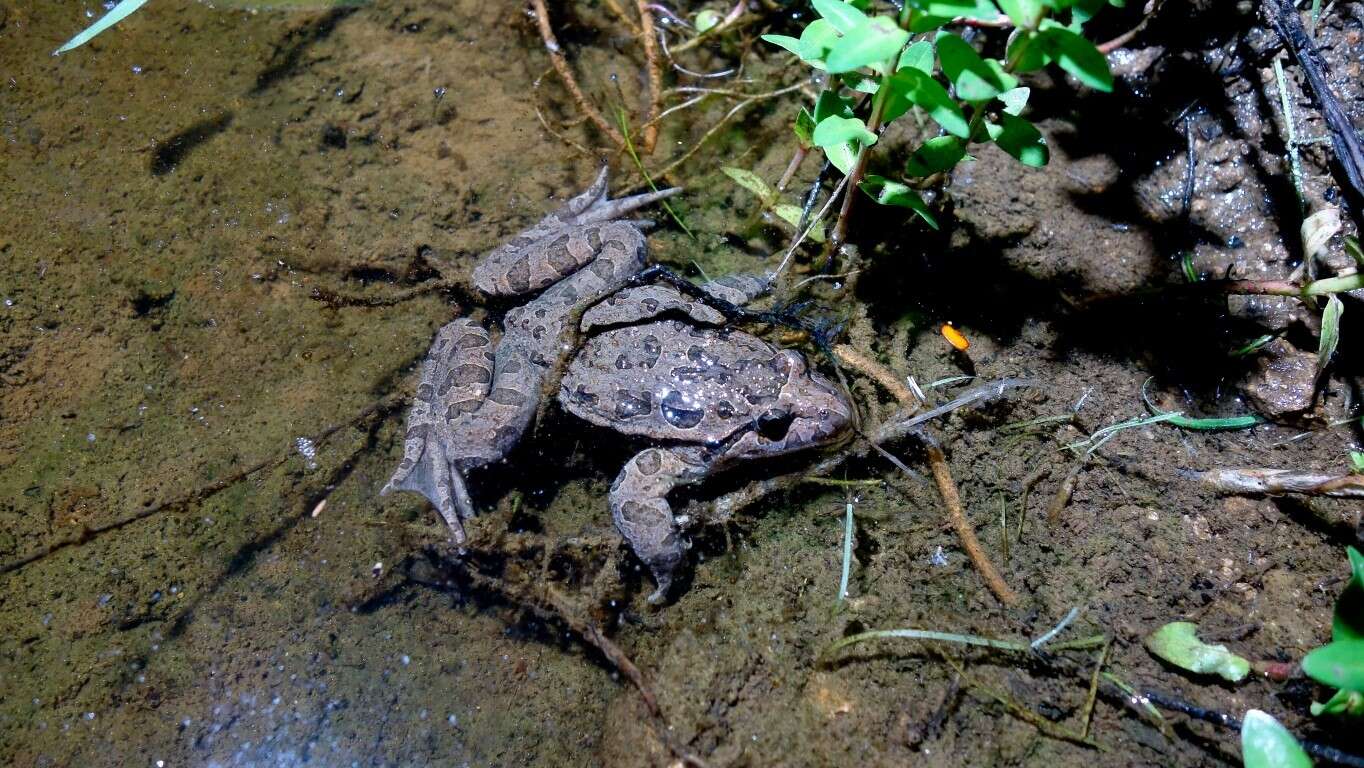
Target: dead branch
(556, 57)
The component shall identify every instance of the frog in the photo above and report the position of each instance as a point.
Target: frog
(709, 398)
(655, 361)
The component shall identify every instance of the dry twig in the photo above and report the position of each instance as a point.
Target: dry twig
(655, 67)
(556, 57)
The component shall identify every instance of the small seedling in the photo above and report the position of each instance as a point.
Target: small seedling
(880, 68)
(1340, 663)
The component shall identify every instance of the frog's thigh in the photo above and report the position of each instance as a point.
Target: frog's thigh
(640, 510)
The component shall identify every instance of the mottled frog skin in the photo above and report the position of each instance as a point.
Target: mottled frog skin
(712, 396)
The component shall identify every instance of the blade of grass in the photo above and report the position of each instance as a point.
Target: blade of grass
(118, 13)
(630, 150)
(847, 553)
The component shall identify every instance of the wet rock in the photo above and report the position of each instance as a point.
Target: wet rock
(1283, 382)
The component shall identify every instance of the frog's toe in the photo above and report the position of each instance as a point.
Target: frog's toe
(430, 473)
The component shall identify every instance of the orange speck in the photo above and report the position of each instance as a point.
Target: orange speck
(955, 338)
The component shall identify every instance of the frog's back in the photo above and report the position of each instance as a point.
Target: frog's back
(673, 381)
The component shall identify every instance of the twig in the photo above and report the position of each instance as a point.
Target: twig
(1349, 154)
(655, 67)
(942, 475)
(957, 516)
(731, 20)
(878, 373)
(556, 57)
(1257, 482)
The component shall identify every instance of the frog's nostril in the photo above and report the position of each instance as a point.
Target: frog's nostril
(773, 425)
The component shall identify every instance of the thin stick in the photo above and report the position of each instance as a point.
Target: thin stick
(947, 488)
(957, 516)
(655, 67)
(878, 373)
(556, 57)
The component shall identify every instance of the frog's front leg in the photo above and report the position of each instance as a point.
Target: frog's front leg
(455, 379)
(639, 507)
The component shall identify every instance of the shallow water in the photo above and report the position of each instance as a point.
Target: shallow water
(173, 195)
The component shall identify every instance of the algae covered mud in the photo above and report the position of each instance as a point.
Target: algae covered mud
(230, 236)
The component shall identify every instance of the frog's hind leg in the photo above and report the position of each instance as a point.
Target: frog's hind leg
(455, 379)
(639, 507)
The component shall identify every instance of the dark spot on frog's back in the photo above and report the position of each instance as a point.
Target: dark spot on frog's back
(724, 409)
(651, 348)
(679, 413)
(623, 363)
(561, 257)
(507, 396)
(468, 373)
(632, 404)
(518, 277)
(470, 340)
(695, 353)
(426, 393)
(582, 396)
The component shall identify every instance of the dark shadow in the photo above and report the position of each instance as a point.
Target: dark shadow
(170, 152)
(288, 54)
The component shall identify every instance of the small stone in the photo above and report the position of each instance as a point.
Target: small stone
(1283, 382)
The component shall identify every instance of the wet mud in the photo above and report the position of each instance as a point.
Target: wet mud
(192, 440)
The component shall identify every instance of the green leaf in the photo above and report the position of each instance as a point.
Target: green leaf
(1356, 466)
(844, 17)
(1342, 703)
(791, 215)
(926, 22)
(866, 45)
(1267, 744)
(918, 56)
(753, 183)
(1077, 56)
(841, 138)
(976, 79)
(818, 37)
(1027, 52)
(984, 10)
(805, 128)
(1176, 643)
(1021, 139)
(1351, 246)
(887, 192)
(912, 86)
(706, 19)
(1023, 13)
(1015, 99)
(830, 103)
(1347, 623)
(786, 41)
(862, 83)
(1330, 331)
(115, 15)
(1339, 664)
(937, 154)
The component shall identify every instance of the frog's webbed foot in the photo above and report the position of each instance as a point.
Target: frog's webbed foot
(639, 507)
(455, 378)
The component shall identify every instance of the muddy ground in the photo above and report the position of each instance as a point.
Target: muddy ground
(174, 194)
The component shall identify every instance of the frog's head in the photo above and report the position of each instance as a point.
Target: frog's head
(809, 411)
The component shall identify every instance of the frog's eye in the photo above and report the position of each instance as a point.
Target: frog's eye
(774, 424)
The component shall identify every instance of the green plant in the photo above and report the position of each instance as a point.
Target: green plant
(880, 68)
(1265, 743)
(1340, 663)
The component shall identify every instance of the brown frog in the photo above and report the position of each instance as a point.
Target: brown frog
(713, 396)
